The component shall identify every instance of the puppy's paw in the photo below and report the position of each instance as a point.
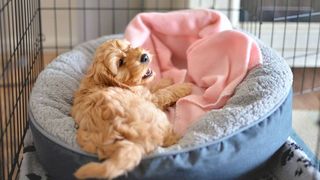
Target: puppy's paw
(183, 89)
(165, 82)
(162, 83)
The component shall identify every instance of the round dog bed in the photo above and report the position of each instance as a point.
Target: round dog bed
(228, 143)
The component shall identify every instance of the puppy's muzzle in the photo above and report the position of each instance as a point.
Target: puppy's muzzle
(144, 58)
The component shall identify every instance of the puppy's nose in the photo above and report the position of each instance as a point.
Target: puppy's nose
(144, 58)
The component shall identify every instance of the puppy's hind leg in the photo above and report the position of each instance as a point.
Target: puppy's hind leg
(170, 138)
(124, 156)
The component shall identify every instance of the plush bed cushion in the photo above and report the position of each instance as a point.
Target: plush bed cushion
(258, 115)
(256, 96)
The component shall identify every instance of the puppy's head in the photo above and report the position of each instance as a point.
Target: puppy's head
(116, 63)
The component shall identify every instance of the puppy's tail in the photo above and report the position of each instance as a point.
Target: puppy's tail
(124, 156)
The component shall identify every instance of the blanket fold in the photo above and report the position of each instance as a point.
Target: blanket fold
(197, 46)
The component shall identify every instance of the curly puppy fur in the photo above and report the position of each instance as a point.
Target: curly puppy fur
(119, 117)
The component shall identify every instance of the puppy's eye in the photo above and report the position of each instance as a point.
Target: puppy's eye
(121, 62)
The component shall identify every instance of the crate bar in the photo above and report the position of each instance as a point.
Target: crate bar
(307, 48)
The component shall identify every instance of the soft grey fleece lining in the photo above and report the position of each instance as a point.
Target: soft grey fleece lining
(262, 89)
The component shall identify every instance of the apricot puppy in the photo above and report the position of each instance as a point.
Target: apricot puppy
(118, 117)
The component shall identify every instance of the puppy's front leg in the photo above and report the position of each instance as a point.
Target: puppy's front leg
(164, 98)
(163, 83)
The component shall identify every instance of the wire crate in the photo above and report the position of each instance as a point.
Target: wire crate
(20, 63)
(33, 32)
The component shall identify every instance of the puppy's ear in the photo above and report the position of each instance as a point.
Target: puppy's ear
(111, 81)
(113, 65)
(102, 75)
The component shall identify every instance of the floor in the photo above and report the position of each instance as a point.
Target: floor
(306, 117)
(306, 107)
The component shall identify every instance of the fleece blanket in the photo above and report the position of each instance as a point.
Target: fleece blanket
(197, 46)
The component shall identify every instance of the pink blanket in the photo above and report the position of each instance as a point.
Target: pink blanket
(197, 46)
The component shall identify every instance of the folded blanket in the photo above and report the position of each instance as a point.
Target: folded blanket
(197, 46)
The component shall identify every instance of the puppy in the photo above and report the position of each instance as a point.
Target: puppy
(118, 117)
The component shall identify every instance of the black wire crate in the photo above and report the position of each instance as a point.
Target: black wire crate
(33, 32)
(20, 63)
(293, 29)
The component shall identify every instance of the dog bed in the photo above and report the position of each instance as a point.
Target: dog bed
(228, 143)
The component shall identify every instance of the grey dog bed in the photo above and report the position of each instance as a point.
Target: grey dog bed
(261, 103)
